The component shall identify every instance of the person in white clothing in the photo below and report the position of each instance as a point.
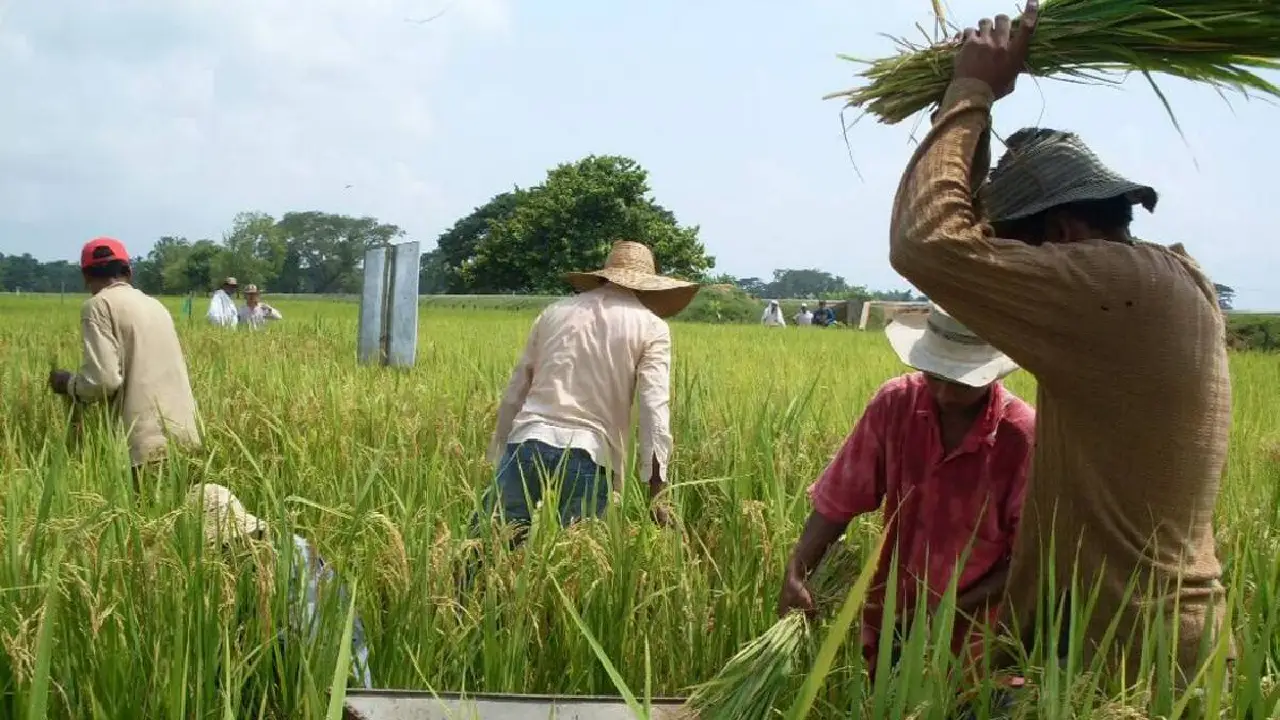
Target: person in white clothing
(222, 309)
(567, 410)
(772, 316)
(804, 317)
(255, 313)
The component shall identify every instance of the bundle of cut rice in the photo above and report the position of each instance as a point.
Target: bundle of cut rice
(1220, 42)
(750, 685)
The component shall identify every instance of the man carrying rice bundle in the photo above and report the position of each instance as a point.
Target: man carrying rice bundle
(944, 450)
(1124, 337)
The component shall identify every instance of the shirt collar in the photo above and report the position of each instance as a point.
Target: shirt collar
(984, 428)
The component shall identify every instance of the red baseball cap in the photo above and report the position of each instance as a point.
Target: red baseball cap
(102, 250)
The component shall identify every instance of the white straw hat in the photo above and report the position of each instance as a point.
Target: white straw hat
(939, 345)
(224, 516)
(630, 265)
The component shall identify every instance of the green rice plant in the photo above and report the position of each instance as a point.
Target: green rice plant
(382, 471)
(1224, 44)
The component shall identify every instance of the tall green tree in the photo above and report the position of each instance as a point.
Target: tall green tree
(526, 241)
(324, 252)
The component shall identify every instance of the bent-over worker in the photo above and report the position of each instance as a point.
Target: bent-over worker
(132, 358)
(944, 451)
(567, 409)
(225, 524)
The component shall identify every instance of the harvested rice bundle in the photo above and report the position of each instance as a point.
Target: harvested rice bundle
(1220, 43)
(749, 686)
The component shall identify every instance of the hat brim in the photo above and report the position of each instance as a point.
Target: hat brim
(224, 517)
(972, 365)
(1137, 194)
(665, 296)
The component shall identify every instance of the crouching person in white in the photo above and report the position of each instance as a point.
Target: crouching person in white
(228, 527)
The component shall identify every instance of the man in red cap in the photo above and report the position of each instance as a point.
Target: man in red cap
(132, 358)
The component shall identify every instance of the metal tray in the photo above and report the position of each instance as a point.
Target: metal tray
(421, 705)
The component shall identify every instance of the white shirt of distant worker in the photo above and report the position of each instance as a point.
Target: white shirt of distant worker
(804, 317)
(772, 316)
(566, 412)
(222, 309)
(255, 313)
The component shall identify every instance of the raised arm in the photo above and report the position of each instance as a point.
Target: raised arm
(514, 396)
(100, 374)
(1046, 307)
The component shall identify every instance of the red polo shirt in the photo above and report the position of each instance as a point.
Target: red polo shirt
(934, 505)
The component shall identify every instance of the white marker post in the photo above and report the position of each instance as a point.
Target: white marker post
(389, 306)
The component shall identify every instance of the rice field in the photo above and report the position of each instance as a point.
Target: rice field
(109, 606)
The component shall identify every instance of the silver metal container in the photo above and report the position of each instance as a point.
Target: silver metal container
(418, 705)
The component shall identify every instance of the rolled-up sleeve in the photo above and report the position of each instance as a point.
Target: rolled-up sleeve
(1045, 307)
(100, 374)
(653, 390)
(514, 396)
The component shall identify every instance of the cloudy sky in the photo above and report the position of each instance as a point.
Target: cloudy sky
(142, 118)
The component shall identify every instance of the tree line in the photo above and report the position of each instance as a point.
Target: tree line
(521, 241)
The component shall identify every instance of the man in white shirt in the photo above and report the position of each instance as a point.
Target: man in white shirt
(567, 410)
(804, 317)
(222, 309)
(772, 316)
(255, 313)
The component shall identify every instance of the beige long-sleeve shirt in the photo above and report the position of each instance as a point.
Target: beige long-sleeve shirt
(132, 359)
(586, 358)
(1127, 345)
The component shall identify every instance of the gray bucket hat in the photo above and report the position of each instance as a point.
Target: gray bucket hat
(1045, 168)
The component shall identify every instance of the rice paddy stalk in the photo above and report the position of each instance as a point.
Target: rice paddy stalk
(147, 619)
(38, 700)
(342, 669)
(1224, 44)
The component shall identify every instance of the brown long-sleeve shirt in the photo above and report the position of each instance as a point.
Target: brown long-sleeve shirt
(1127, 346)
(132, 358)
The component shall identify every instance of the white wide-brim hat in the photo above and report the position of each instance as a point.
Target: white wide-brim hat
(224, 516)
(937, 344)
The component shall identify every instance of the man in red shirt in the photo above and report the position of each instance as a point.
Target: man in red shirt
(945, 452)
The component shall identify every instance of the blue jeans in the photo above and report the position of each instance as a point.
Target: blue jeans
(528, 468)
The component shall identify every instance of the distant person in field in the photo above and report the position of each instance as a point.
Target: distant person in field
(772, 315)
(132, 358)
(825, 316)
(804, 317)
(222, 309)
(228, 527)
(566, 414)
(1124, 337)
(943, 452)
(255, 313)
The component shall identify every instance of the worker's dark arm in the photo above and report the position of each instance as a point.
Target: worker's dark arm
(985, 592)
(818, 536)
